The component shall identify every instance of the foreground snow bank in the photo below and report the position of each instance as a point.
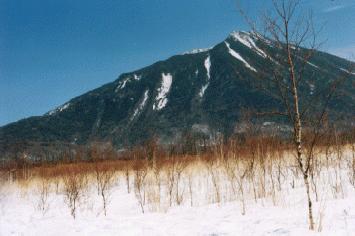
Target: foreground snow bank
(19, 216)
(202, 201)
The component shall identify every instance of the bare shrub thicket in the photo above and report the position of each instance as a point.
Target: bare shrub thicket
(105, 178)
(127, 169)
(44, 183)
(43, 189)
(140, 169)
(75, 183)
(181, 164)
(351, 166)
(170, 176)
(259, 169)
(3, 181)
(212, 165)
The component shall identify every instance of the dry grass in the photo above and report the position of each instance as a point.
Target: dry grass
(258, 170)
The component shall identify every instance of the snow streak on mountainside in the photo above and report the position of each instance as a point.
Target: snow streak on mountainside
(349, 72)
(239, 57)
(137, 77)
(161, 99)
(122, 84)
(198, 50)
(207, 65)
(59, 109)
(248, 41)
(141, 105)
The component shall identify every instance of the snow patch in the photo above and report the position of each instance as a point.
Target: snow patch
(161, 99)
(208, 66)
(311, 64)
(59, 109)
(239, 57)
(349, 72)
(137, 77)
(65, 106)
(198, 50)
(311, 88)
(257, 35)
(203, 89)
(208, 70)
(141, 105)
(122, 84)
(248, 41)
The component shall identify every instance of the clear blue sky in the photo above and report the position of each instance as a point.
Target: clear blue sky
(53, 50)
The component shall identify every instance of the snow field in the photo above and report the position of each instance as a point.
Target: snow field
(238, 195)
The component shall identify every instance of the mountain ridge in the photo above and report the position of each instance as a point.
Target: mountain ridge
(203, 91)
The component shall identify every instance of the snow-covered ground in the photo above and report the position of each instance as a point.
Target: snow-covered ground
(19, 217)
(282, 213)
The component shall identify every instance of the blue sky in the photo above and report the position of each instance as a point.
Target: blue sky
(53, 50)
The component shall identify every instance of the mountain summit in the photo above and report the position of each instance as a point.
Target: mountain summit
(202, 92)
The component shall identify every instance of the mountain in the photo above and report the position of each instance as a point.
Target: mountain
(203, 92)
